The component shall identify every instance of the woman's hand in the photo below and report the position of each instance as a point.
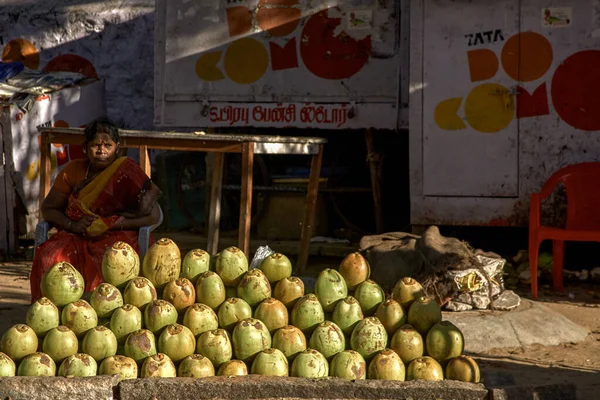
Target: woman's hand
(80, 226)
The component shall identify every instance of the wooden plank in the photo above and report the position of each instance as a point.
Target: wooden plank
(310, 206)
(246, 198)
(214, 215)
(9, 185)
(145, 161)
(375, 169)
(44, 167)
(3, 208)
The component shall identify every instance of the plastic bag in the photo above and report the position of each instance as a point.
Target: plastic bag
(261, 253)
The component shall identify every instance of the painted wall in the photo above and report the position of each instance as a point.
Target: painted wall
(508, 96)
(110, 39)
(330, 64)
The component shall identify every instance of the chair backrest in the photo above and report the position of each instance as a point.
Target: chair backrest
(582, 187)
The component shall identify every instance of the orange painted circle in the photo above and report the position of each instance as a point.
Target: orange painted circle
(21, 50)
(71, 63)
(527, 56)
(246, 60)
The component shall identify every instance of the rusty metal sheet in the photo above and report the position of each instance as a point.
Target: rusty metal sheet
(268, 59)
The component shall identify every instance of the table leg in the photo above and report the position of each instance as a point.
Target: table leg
(45, 167)
(310, 206)
(145, 160)
(214, 215)
(246, 198)
(375, 169)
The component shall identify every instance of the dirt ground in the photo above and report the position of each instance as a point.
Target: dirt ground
(577, 363)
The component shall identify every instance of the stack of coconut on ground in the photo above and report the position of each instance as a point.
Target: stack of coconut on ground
(205, 316)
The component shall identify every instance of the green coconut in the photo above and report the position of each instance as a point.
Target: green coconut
(120, 264)
(162, 263)
(158, 366)
(105, 299)
(444, 341)
(194, 264)
(210, 290)
(7, 366)
(60, 343)
(18, 342)
(423, 314)
(387, 365)
(425, 368)
(369, 295)
(181, 293)
(328, 339)
(391, 314)
(231, 265)
(215, 345)
(250, 337)
(349, 365)
(369, 337)
(406, 291)
(139, 345)
(254, 287)
(276, 267)
(310, 364)
(463, 368)
(232, 311)
(62, 284)
(307, 314)
(125, 320)
(139, 292)
(158, 315)
(195, 366)
(330, 288)
(273, 313)
(355, 269)
(200, 318)
(42, 316)
(407, 342)
(78, 365)
(233, 368)
(347, 314)
(177, 342)
(80, 317)
(123, 366)
(37, 364)
(290, 340)
(289, 291)
(99, 342)
(270, 362)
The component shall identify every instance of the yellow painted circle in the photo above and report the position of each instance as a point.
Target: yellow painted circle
(246, 60)
(489, 108)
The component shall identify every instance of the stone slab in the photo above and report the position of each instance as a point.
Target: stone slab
(547, 392)
(531, 323)
(51, 388)
(260, 387)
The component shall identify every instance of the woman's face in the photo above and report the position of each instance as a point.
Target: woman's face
(102, 150)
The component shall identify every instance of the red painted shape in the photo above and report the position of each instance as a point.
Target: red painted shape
(331, 56)
(284, 57)
(576, 90)
(71, 63)
(61, 156)
(532, 105)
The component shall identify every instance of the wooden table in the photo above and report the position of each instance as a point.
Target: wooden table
(219, 144)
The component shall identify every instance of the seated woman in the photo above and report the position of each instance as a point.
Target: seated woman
(94, 202)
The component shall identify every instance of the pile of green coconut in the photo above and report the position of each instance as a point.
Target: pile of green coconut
(205, 316)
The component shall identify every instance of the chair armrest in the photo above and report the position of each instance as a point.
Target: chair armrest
(41, 232)
(144, 235)
(535, 205)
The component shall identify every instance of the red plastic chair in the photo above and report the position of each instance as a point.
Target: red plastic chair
(582, 186)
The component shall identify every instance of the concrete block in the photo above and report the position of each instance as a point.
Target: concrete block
(51, 388)
(546, 392)
(259, 387)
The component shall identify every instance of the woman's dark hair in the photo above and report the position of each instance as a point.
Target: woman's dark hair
(101, 125)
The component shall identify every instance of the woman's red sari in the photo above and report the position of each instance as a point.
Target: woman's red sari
(115, 190)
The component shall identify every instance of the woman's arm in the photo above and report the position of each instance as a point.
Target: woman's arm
(134, 222)
(52, 211)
